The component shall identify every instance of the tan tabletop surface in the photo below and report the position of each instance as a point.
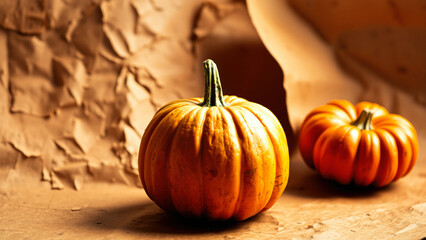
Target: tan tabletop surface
(311, 207)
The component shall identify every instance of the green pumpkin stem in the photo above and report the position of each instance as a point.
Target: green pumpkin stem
(364, 119)
(213, 95)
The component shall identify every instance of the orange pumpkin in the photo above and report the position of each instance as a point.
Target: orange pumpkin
(361, 144)
(219, 158)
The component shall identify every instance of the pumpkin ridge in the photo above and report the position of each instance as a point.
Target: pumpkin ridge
(398, 134)
(185, 117)
(393, 120)
(201, 155)
(234, 100)
(152, 128)
(325, 140)
(317, 147)
(357, 156)
(280, 131)
(345, 106)
(347, 135)
(239, 129)
(368, 164)
(387, 142)
(180, 112)
(175, 102)
(411, 133)
(248, 107)
(331, 111)
(257, 203)
(228, 126)
(415, 149)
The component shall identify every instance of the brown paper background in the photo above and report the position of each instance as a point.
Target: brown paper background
(80, 80)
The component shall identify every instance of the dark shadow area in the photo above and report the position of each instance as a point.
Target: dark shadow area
(305, 182)
(148, 218)
(246, 68)
(163, 222)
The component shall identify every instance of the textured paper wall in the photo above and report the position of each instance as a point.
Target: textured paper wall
(80, 80)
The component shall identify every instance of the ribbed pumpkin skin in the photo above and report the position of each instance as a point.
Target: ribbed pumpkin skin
(217, 163)
(338, 150)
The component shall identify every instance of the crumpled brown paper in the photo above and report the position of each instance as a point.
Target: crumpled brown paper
(24, 16)
(389, 37)
(376, 56)
(84, 82)
(80, 81)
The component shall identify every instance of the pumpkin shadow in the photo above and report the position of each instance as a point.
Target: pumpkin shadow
(148, 218)
(173, 224)
(307, 183)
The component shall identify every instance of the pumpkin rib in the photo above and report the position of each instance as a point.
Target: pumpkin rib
(178, 103)
(412, 136)
(404, 152)
(332, 110)
(260, 159)
(252, 190)
(152, 126)
(270, 146)
(334, 149)
(201, 155)
(162, 136)
(352, 155)
(367, 159)
(232, 100)
(185, 178)
(376, 108)
(231, 125)
(317, 150)
(221, 164)
(388, 165)
(346, 106)
(161, 113)
(281, 179)
(239, 135)
(393, 120)
(311, 130)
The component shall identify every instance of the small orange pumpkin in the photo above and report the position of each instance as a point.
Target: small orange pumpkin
(219, 158)
(362, 144)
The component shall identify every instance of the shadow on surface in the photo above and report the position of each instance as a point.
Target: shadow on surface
(162, 222)
(148, 218)
(306, 182)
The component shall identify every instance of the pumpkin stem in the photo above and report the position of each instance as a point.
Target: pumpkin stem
(364, 119)
(213, 95)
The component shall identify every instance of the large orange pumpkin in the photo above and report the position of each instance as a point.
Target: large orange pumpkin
(219, 158)
(361, 144)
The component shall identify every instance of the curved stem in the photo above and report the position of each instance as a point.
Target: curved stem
(213, 95)
(364, 119)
